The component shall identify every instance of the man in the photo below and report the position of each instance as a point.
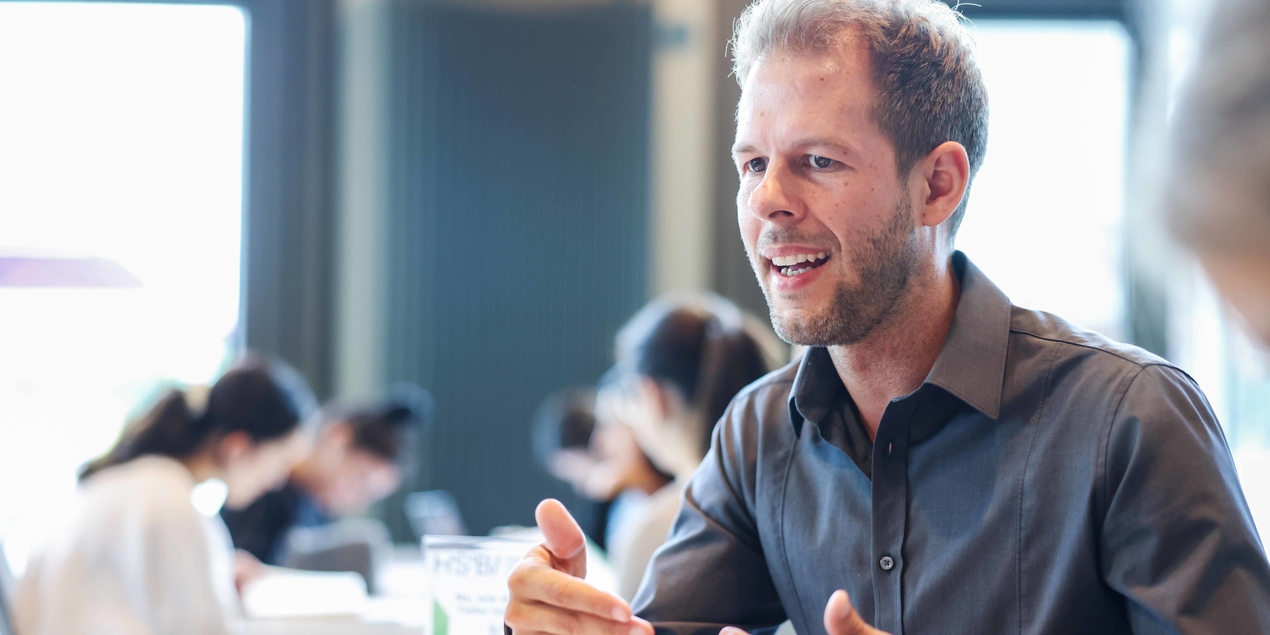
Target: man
(946, 461)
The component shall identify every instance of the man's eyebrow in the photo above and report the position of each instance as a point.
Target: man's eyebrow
(809, 142)
(806, 142)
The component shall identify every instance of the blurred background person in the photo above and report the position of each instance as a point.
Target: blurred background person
(144, 551)
(579, 440)
(682, 359)
(362, 454)
(1219, 189)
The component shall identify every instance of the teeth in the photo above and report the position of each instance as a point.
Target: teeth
(789, 261)
(790, 272)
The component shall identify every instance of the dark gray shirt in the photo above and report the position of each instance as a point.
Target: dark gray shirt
(1043, 479)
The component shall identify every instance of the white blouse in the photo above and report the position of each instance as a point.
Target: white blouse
(136, 558)
(635, 542)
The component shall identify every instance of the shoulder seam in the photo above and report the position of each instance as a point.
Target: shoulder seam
(1141, 364)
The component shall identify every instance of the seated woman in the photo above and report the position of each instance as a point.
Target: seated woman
(361, 456)
(577, 440)
(682, 362)
(142, 551)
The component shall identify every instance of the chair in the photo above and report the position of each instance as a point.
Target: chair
(352, 544)
(434, 513)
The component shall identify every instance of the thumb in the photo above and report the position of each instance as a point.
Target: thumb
(842, 619)
(562, 537)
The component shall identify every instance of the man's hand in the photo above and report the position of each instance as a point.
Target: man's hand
(548, 595)
(840, 619)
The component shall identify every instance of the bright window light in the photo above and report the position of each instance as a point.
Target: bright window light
(121, 137)
(1046, 212)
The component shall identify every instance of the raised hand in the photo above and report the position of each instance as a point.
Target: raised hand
(840, 619)
(548, 595)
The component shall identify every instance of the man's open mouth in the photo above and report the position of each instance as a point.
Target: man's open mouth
(798, 264)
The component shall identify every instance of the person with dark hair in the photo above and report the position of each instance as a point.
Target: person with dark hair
(143, 551)
(562, 429)
(579, 440)
(362, 455)
(681, 361)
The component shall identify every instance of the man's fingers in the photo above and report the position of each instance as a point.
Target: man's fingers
(842, 619)
(562, 536)
(732, 630)
(539, 618)
(533, 583)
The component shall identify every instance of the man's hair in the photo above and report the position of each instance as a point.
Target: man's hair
(929, 90)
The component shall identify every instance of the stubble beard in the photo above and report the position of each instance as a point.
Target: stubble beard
(885, 264)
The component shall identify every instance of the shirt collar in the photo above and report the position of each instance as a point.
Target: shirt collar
(971, 365)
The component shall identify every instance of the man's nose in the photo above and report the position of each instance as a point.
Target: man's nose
(775, 199)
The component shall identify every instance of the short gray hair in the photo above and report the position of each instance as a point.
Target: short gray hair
(929, 90)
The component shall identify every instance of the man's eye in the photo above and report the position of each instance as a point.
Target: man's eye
(756, 165)
(821, 162)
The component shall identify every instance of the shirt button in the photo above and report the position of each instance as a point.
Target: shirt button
(886, 563)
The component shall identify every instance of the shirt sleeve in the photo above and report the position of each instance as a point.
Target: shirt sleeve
(1178, 540)
(711, 572)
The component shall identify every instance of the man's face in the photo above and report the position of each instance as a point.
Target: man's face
(827, 222)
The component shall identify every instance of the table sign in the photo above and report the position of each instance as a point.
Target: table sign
(467, 582)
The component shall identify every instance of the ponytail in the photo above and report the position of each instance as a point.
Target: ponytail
(705, 348)
(267, 399)
(170, 428)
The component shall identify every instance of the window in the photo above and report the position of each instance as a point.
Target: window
(121, 139)
(1046, 211)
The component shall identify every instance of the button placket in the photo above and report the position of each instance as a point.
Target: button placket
(890, 512)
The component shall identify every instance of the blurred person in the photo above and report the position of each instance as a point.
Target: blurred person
(361, 456)
(1219, 188)
(578, 440)
(683, 360)
(562, 429)
(143, 552)
(939, 459)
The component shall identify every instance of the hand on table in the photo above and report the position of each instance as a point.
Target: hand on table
(548, 595)
(840, 619)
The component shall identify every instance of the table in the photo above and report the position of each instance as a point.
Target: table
(382, 616)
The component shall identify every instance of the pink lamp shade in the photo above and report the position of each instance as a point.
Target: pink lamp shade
(64, 272)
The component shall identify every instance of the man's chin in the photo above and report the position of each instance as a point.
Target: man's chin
(797, 326)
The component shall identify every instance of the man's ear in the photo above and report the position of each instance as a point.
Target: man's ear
(946, 171)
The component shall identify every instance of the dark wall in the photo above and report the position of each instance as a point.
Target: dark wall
(288, 240)
(733, 276)
(518, 227)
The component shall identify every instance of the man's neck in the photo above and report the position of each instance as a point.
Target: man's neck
(896, 357)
